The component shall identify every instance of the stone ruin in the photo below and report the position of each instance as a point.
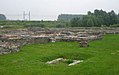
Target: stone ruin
(12, 40)
(12, 43)
(83, 42)
(6, 48)
(74, 62)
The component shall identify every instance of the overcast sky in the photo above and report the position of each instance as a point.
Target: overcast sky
(50, 9)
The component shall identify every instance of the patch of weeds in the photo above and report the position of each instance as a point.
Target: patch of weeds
(68, 61)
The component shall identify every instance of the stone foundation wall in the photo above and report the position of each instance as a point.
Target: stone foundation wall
(5, 50)
(13, 45)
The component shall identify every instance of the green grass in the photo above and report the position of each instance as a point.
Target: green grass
(100, 58)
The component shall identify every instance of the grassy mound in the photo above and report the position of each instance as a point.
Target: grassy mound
(100, 58)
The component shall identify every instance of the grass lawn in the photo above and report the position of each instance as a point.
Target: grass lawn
(100, 58)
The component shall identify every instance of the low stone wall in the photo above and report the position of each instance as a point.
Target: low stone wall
(10, 49)
(78, 38)
(13, 45)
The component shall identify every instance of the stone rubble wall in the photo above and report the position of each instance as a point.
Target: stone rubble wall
(8, 48)
(13, 45)
(18, 38)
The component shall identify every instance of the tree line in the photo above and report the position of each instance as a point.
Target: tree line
(97, 19)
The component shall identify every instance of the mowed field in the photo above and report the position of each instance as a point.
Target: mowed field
(100, 58)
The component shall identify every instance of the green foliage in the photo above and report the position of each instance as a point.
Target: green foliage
(75, 22)
(25, 24)
(115, 25)
(90, 23)
(96, 19)
(60, 26)
(2, 17)
(69, 61)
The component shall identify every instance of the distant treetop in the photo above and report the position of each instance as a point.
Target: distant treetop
(2, 17)
(97, 18)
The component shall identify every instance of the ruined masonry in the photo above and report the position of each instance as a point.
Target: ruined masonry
(12, 40)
